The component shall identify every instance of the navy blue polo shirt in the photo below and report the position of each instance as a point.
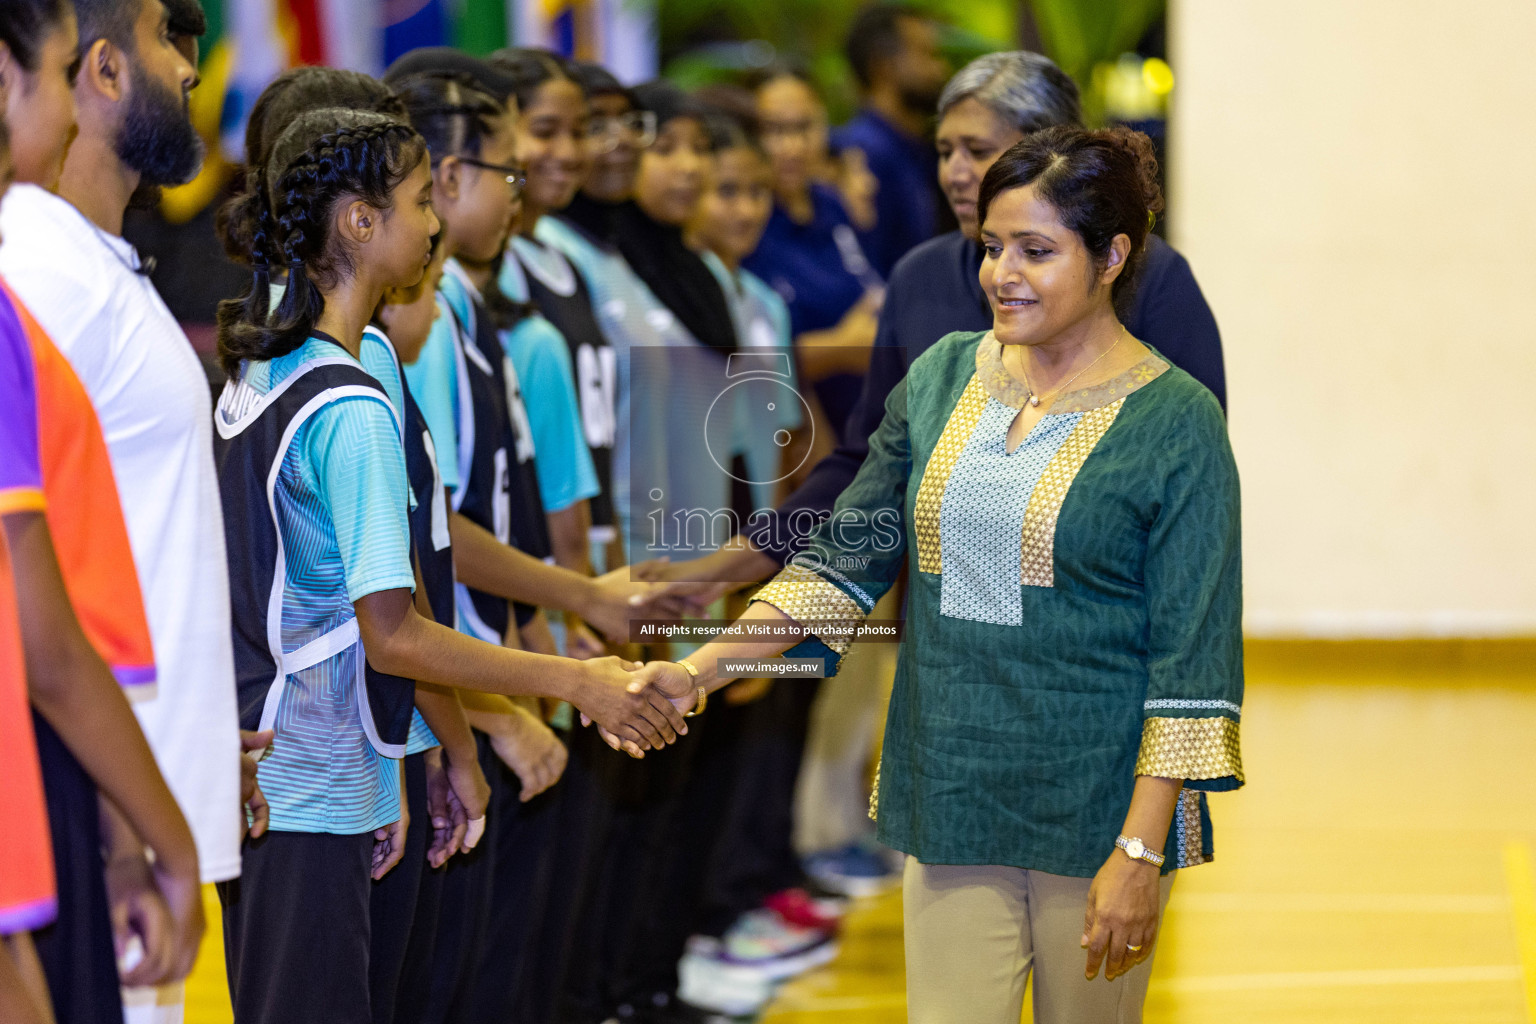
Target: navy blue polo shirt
(907, 169)
(820, 271)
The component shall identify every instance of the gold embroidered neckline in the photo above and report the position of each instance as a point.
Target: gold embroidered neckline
(1006, 388)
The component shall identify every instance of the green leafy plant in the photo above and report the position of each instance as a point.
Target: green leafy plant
(703, 40)
(1080, 35)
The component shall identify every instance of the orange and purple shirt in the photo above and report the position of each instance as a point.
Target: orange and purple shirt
(85, 515)
(27, 895)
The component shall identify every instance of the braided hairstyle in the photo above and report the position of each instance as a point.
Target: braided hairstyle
(324, 158)
(290, 94)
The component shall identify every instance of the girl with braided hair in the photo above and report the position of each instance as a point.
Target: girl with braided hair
(290, 94)
(326, 632)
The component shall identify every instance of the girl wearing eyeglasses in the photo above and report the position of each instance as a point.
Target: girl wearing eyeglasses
(551, 141)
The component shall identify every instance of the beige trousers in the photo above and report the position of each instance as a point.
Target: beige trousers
(974, 934)
(847, 720)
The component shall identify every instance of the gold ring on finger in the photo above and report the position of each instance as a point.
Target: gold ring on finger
(1133, 949)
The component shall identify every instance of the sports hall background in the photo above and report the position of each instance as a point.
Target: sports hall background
(1351, 182)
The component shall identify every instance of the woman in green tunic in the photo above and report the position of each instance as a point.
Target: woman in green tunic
(1070, 678)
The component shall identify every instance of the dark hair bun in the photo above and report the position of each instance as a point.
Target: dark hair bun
(1140, 150)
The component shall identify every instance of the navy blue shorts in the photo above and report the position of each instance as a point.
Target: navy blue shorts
(296, 929)
(76, 951)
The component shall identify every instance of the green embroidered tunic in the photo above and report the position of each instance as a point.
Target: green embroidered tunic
(1074, 615)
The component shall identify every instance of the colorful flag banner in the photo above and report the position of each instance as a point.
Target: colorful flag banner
(251, 42)
(621, 34)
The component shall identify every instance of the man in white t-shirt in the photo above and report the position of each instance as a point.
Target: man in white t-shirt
(63, 255)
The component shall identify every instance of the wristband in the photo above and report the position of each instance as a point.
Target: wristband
(698, 709)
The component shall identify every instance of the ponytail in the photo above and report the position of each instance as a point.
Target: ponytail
(504, 311)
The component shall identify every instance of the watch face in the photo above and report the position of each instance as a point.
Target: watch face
(1135, 849)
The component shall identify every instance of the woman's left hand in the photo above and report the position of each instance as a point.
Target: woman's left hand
(1123, 908)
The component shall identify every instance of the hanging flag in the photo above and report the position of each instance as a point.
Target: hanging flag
(481, 26)
(630, 47)
(259, 52)
(411, 23)
(620, 34)
(352, 35)
(251, 42)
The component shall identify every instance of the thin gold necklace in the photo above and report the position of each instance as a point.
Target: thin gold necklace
(1034, 399)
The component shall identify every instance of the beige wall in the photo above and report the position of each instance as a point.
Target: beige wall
(1354, 183)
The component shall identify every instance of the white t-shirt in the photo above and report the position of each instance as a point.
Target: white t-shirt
(152, 397)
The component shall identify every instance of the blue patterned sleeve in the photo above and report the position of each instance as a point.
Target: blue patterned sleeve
(353, 451)
(434, 381)
(543, 364)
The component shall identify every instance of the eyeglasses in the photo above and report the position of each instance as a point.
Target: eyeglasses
(517, 177)
(638, 127)
(772, 131)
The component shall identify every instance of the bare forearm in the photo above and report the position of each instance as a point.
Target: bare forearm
(72, 688)
(568, 533)
(23, 989)
(830, 352)
(478, 705)
(484, 563)
(707, 658)
(537, 637)
(733, 566)
(118, 839)
(740, 562)
(446, 718)
(1152, 806)
(400, 642)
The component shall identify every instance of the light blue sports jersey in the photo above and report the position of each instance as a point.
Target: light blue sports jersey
(763, 415)
(342, 496)
(378, 358)
(543, 363)
(434, 380)
(663, 398)
(439, 384)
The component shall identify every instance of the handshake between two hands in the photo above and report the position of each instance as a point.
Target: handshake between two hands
(637, 707)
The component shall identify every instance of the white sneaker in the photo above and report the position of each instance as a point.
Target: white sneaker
(765, 942)
(708, 982)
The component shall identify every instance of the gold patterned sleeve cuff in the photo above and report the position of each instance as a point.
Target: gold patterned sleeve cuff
(825, 611)
(1190, 748)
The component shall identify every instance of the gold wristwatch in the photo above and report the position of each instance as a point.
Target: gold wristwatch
(1137, 850)
(698, 709)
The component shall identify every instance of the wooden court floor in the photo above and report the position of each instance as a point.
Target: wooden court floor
(1377, 867)
(1380, 865)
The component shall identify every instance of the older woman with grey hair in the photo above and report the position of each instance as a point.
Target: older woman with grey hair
(992, 103)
